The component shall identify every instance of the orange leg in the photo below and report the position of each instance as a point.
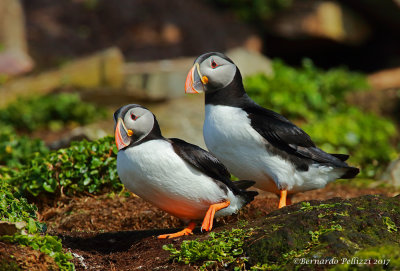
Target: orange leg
(282, 200)
(209, 218)
(185, 231)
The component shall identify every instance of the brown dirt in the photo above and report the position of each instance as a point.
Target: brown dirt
(13, 257)
(118, 232)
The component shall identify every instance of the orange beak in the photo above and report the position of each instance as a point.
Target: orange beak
(195, 81)
(122, 135)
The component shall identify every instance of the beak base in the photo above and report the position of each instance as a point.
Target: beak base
(193, 83)
(122, 139)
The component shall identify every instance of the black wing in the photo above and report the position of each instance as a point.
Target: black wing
(203, 161)
(287, 137)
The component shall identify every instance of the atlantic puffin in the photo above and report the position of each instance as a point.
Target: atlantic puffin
(177, 177)
(257, 143)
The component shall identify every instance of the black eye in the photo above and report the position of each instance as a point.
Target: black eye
(133, 116)
(213, 64)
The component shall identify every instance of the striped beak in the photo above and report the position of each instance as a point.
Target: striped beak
(122, 135)
(195, 81)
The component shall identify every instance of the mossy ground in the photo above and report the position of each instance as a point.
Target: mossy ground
(333, 229)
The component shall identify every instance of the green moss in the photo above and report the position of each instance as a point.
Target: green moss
(349, 243)
(306, 206)
(322, 230)
(315, 235)
(276, 227)
(391, 227)
(386, 257)
(221, 248)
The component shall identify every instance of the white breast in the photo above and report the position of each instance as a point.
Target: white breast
(230, 137)
(153, 171)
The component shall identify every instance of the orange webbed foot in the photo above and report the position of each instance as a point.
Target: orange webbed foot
(282, 200)
(209, 217)
(185, 231)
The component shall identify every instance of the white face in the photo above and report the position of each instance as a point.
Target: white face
(140, 121)
(132, 124)
(220, 72)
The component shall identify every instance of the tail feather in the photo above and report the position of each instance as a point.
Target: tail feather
(341, 157)
(242, 185)
(250, 195)
(350, 173)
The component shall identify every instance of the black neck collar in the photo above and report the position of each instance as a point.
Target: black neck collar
(232, 95)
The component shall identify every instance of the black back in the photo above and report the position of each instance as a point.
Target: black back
(203, 161)
(283, 137)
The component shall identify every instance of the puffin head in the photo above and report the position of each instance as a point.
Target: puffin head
(133, 122)
(210, 72)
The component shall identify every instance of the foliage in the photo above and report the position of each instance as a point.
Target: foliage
(16, 150)
(51, 111)
(85, 166)
(15, 208)
(304, 93)
(51, 245)
(315, 99)
(223, 247)
(363, 135)
(255, 10)
(7, 173)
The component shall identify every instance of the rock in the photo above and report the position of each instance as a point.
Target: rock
(392, 174)
(11, 228)
(389, 78)
(157, 80)
(320, 19)
(321, 231)
(250, 62)
(165, 79)
(89, 132)
(101, 69)
(384, 13)
(14, 58)
(143, 30)
(384, 102)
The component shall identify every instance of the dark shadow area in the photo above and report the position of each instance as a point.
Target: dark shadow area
(109, 242)
(120, 241)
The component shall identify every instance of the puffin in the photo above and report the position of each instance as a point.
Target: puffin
(257, 143)
(180, 178)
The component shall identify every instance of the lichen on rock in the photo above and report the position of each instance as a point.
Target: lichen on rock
(319, 235)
